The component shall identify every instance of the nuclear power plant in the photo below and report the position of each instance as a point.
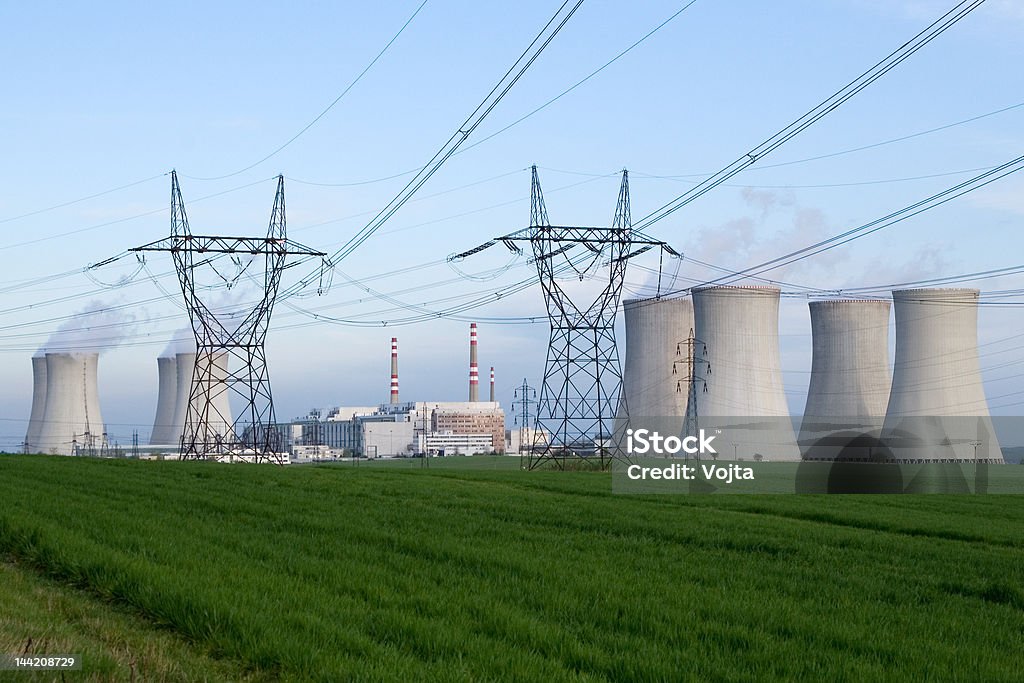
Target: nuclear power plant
(711, 361)
(72, 423)
(654, 378)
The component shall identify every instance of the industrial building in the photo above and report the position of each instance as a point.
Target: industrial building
(440, 428)
(849, 386)
(654, 376)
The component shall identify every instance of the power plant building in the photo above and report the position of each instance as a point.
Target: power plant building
(464, 427)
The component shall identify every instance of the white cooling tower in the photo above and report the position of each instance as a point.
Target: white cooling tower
(210, 379)
(654, 385)
(72, 415)
(744, 395)
(937, 408)
(35, 420)
(184, 366)
(167, 392)
(849, 386)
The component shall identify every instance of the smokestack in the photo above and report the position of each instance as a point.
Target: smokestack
(492, 384)
(72, 414)
(167, 392)
(394, 370)
(474, 377)
(35, 421)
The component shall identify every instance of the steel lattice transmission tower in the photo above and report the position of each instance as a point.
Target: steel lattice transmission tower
(582, 377)
(230, 356)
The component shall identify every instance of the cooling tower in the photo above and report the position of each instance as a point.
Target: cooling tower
(184, 367)
(167, 393)
(654, 384)
(212, 381)
(35, 420)
(72, 416)
(937, 409)
(742, 393)
(849, 386)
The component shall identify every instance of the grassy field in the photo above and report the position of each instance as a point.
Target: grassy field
(474, 570)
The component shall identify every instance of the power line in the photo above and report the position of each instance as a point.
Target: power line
(949, 194)
(106, 224)
(329, 107)
(583, 80)
(497, 93)
(82, 199)
(893, 140)
(830, 104)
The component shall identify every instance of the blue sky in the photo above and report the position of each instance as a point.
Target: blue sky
(103, 95)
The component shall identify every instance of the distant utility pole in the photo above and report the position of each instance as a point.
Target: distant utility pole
(698, 369)
(424, 461)
(526, 395)
(135, 443)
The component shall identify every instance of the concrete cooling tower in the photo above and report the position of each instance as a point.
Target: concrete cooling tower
(849, 387)
(184, 367)
(72, 416)
(937, 408)
(653, 379)
(744, 396)
(167, 393)
(217, 413)
(35, 420)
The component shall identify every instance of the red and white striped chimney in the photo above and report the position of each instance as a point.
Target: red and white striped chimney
(492, 384)
(394, 370)
(474, 377)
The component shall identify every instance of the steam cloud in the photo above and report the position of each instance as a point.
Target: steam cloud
(183, 341)
(98, 326)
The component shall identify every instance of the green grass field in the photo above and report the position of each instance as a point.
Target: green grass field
(473, 570)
